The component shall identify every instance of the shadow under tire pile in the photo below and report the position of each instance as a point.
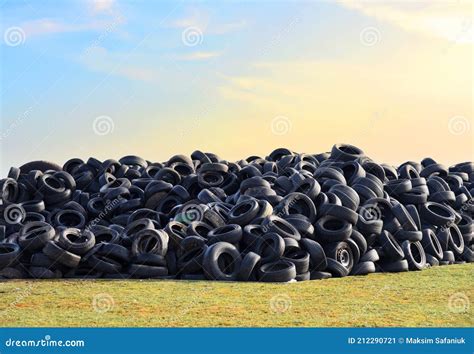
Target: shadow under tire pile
(284, 217)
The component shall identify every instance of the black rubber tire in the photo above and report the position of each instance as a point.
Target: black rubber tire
(171, 262)
(391, 249)
(304, 227)
(360, 241)
(192, 242)
(193, 276)
(103, 234)
(52, 250)
(346, 152)
(403, 235)
(199, 228)
(403, 217)
(249, 267)
(176, 232)
(104, 264)
(299, 258)
(347, 195)
(43, 273)
(12, 273)
(299, 204)
(369, 227)
(39, 165)
(317, 275)
(191, 261)
(76, 241)
(339, 212)
(270, 247)
(244, 212)
(432, 260)
(218, 268)
(150, 241)
(340, 252)
(398, 186)
(456, 241)
(448, 256)
(317, 256)
(336, 268)
(436, 214)
(280, 226)
(443, 235)
(431, 244)
(413, 211)
(303, 276)
(370, 256)
(142, 271)
(69, 218)
(363, 268)
(393, 267)
(150, 259)
(9, 254)
(231, 233)
(279, 271)
(113, 251)
(414, 254)
(355, 250)
(330, 229)
(467, 255)
(35, 235)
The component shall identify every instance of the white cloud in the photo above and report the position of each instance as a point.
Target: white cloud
(45, 26)
(201, 19)
(199, 56)
(447, 20)
(99, 59)
(98, 6)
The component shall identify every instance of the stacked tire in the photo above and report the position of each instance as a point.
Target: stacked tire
(285, 217)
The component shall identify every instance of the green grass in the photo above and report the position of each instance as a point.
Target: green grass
(403, 299)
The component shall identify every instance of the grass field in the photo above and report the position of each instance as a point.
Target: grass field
(434, 297)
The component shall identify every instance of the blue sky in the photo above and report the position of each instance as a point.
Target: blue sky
(175, 76)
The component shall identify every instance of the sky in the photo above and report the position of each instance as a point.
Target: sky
(109, 78)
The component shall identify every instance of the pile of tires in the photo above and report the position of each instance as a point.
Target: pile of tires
(288, 216)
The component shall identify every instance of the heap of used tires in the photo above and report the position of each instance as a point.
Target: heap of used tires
(287, 216)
